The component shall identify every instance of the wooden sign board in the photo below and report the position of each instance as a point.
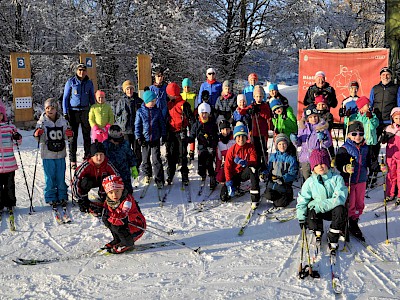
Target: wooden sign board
(144, 72)
(90, 61)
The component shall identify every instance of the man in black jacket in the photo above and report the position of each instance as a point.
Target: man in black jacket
(321, 87)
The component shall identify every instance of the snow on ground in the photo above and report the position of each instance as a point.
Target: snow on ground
(261, 264)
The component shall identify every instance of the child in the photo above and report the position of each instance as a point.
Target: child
(149, 128)
(120, 154)
(52, 129)
(205, 98)
(189, 97)
(313, 134)
(353, 160)
(237, 117)
(180, 118)
(122, 216)
(8, 164)
(391, 136)
(159, 89)
(241, 165)
(206, 132)
(89, 175)
(324, 114)
(322, 197)
(226, 103)
(275, 94)
(349, 105)
(282, 170)
(261, 122)
(101, 117)
(248, 90)
(225, 142)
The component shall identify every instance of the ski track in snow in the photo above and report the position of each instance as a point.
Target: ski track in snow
(261, 264)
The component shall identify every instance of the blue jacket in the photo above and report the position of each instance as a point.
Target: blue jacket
(283, 165)
(361, 161)
(215, 90)
(78, 94)
(248, 93)
(149, 124)
(324, 197)
(161, 102)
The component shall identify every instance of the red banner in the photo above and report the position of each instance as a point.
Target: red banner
(341, 66)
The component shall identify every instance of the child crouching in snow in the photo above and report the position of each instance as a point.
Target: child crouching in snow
(122, 216)
(322, 197)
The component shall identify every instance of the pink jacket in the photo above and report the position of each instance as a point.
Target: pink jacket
(393, 144)
(7, 158)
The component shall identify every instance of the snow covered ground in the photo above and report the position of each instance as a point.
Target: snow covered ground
(261, 264)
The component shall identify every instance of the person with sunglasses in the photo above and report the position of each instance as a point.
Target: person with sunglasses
(211, 85)
(352, 161)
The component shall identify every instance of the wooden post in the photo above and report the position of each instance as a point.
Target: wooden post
(90, 61)
(144, 72)
(21, 86)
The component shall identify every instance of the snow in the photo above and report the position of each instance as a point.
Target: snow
(261, 264)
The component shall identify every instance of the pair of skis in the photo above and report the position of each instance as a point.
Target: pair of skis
(61, 217)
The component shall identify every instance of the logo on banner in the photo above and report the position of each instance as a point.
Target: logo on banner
(21, 63)
(89, 62)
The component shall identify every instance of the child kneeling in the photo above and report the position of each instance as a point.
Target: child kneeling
(122, 216)
(322, 197)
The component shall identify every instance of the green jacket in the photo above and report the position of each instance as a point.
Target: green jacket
(101, 115)
(286, 125)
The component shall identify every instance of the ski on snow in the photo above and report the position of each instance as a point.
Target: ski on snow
(62, 217)
(247, 220)
(145, 189)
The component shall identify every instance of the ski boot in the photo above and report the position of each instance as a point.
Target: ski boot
(213, 183)
(191, 155)
(355, 230)
(397, 203)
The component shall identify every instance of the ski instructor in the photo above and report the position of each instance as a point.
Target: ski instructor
(77, 99)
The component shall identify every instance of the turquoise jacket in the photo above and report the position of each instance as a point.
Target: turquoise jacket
(324, 197)
(369, 125)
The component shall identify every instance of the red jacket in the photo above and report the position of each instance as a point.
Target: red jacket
(263, 117)
(246, 152)
(177, 108)
(128, 208)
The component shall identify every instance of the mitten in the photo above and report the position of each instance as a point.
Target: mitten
(293, 138)
(348, 169)
(38, 132)
(16, 136)
(69, 132)
(134, 172)
(231, 188)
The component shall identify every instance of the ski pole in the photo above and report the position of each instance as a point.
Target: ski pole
(347, 237)
(70, 174)
(385, 202)
(197, 250)
(31, 210)
(313, 274)
(302, 275)
(23, 170)
(169, 232)
(261, 140)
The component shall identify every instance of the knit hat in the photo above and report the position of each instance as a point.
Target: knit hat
(310, 110)
(224, 124)
(273, 87)
(204, 107)
(240, 129)
(319, 99)
(81, 66)
(149, 96)
(281, 137)
(227, 83)
(275, 104)
(355, 126)
(354, 84)
(319, 74)
(51, 102)
(252, 76)
(112, 182)
(186, 82)
(258, 89)
(97, 147)
(173, 89)
(115, 133)
(126, 84)
(210, 70)
(319, 157)
(240, 97)
(3, 111)
(99, 93)
(362, 101)
(385, 69)
(395, 111)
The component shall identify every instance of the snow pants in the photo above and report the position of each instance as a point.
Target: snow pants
(176, 151)
(260, 143)
(280, 194)
(337, 216)
(153, 149)
(206, 163)
(122, 234)
(7, 190)
(356, 199)
(246, 174)
(393, 176)
(54, 177)
(81, 117)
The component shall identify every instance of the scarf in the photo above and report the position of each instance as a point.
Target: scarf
(113, 204)
(211, 81)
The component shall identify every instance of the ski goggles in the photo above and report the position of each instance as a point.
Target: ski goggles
(357, 133)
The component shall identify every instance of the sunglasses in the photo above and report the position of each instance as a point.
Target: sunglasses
(357, 133)
(81, 70)
(211, 73)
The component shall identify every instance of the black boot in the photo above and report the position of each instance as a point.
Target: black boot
(213, 183)
(355, 230)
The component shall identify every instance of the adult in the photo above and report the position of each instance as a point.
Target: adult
(159, 88)
(77, 99)
(211, 85)
(248, 90)
(321, 87)
(273, 93)
(125, 114)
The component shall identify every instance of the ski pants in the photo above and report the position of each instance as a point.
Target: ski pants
(7, 190)
(153, 149)
(246, 174)
(356, 199)
(54, 177)
(81, 117)
(135, 147)
(393, 176)
(206, 163)
(336, 215)
(176, 151)
(280, 194)
(260, 143)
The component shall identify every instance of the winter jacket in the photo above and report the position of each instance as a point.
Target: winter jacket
(286, 122)
(246, 152)
(161, 93)
(350, 104)
(222, 149)
(383, 98)
(125, 112)
(88, 176)
(149, 124)
(101, 115)
(7, 158)
(328, 118)
(190, 98)
(327, 91)
(307, 138)
(122, 158)
(78, 94)
(127, 212)
(332, 193)
(245, 119)
(52, 141)
(284, 165)
(205, 133)
(176, 109)
(225, 105)
(369, 125)
(391, 136)
(215, 90)
(361, 162)
(248, 93)
(263, 118)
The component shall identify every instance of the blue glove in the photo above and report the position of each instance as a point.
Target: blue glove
(293, 138)
(320, 136)
(240, 161)
(231, 188)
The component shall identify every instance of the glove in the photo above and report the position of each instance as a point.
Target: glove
(342, 112)
(384, 169)
(348, 168)
(140, 142)
(69, 133)
(240, 161)
(231, 188)
(348, 113)
(202, 139)
(368, 114)
(84, 205)
(183, 135)
(87, 184)
(163, 140)
(134, 172)
(210, 150)
(256, 109)
(276, 131)
(278, 180)
(66, 117)
(16, 136)
(302, 224)
(293, 138)
(38, 132)
(320, 136)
